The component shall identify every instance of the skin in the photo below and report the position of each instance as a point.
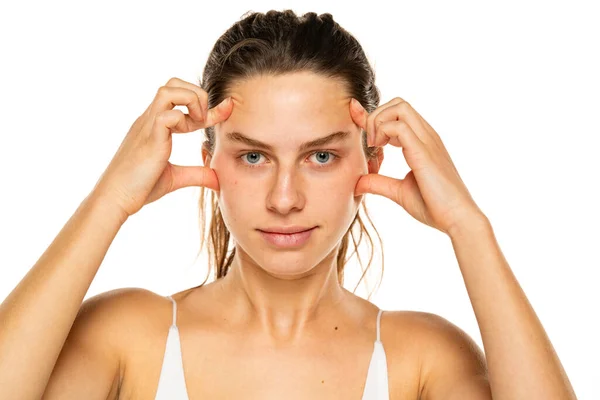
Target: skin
(283, 294)
(279, 322)
(282, 313)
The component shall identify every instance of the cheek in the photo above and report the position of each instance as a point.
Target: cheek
(231, 191)
(335, 193)
(236, 208)
(230, 179)
(235, 192)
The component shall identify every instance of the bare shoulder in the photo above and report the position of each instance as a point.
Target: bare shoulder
(122, 309)
(448, 356)
(137, 321)
(116, 305)
(116, 320)
(92, 359)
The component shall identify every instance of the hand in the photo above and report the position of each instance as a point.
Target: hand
(140, 172)
(432, 192)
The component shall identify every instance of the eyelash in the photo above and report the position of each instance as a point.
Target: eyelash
(335, 158)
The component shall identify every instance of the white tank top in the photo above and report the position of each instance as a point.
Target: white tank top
(171, 384)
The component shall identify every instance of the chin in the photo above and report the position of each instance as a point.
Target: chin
(286, 264)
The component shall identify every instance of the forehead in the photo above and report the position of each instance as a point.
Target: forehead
(300, 104)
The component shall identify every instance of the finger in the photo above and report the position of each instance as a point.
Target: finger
(167, 97)
(381, 185)
(185, 176)
(172, 121)
(175, 121)
(371, 128)
(358, 114)
(400, 134)
(201, 93)
(404, 111)
(219, 113)
(362, 118)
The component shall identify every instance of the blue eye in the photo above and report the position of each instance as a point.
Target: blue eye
(320, 154)
(253, 153)
(323, 157)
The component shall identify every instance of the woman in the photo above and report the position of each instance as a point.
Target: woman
(294, 139)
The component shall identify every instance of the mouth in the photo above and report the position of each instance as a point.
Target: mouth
(286, 230)
(294, 238)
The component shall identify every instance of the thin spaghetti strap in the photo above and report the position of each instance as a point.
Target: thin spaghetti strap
(379, 325)
(174, 310)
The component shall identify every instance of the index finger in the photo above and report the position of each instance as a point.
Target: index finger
(201, 93)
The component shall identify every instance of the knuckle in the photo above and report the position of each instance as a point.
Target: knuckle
(173, 81)
(202, 97)
(404, 106)
(162, 91)
(202, 94)
(178, 114)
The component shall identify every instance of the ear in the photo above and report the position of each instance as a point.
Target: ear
(376, 161)
(206, 157)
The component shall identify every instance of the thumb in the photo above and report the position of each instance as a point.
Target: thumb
(220, 112)
(381, 185)
(184, 176)
(358, 114)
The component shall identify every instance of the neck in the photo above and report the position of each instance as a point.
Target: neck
(283, 308)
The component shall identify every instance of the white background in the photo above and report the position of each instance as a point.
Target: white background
(512, 89)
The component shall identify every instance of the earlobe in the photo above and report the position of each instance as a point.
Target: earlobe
(206, 157)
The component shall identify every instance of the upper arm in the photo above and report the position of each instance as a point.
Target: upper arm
(454, 367)
(89, 365)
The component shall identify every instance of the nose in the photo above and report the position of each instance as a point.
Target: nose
(286, 194)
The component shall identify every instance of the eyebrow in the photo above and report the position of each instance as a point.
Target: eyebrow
(332, 137)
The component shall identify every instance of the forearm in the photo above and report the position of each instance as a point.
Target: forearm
(522, 362)
(37, 315)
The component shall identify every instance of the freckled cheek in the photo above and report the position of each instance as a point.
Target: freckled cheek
(237, 201)
(227, 173)
(235, 183)
(336, 188)
(235, 190)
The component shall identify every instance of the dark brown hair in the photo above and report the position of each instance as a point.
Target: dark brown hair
(272, 44)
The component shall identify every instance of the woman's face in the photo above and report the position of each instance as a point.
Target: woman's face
(288, 184)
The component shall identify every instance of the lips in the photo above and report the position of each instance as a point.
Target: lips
(294, 238)
(286, 229)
